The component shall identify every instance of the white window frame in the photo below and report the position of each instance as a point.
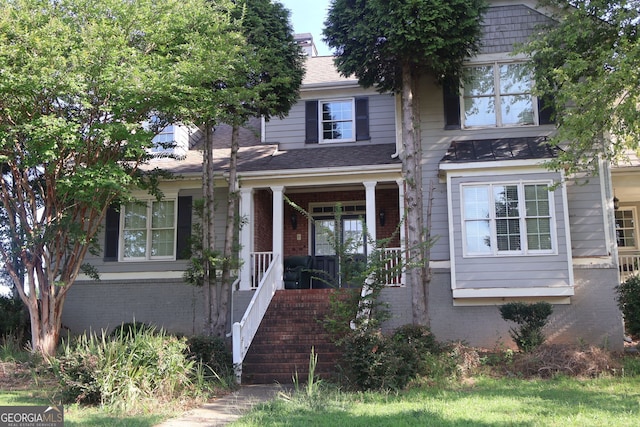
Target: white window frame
(634, 218)
(321, 120)
(522, 217)
(149, 229)
(498, 96)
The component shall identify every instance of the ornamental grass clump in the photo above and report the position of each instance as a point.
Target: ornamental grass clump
(125, 370)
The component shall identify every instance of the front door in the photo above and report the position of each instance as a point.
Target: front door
(332, 239)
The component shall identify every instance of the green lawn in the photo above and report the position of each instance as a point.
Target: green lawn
(80, 416)
(488, 402)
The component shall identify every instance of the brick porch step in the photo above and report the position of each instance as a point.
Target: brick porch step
(289, 330)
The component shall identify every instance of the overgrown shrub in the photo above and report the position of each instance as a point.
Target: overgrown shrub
(14, 320)
(374, 361)
(211, 351)
(531, 318)
(629, 303)
(126, 370)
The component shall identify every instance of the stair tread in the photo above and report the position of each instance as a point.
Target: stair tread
(289, 329)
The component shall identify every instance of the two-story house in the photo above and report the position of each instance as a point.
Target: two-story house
(507, 228)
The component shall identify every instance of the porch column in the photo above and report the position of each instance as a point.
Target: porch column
(246, 237)
(401, 210)
(370, 191)
(278, 232)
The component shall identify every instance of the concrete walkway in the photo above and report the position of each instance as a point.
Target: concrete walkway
(227, 409)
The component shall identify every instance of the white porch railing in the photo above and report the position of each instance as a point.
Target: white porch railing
(629, 266)
(260, 262)
(392, 266)
(245, 330)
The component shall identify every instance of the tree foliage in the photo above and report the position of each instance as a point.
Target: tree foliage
(588, 63)
(78, 80)
(374, 39)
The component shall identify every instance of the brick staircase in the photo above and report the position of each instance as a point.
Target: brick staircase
(288, 331)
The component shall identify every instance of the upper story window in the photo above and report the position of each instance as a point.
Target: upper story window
(165, 140)
(337, 120)
(626, 227)
(148, 230)
(498, 95)
(505, 219)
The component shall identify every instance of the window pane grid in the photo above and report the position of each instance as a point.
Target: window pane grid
(149, 230)
(514, 229)
(337, 120)
(498, 95)
(325, 237)
(625, 228)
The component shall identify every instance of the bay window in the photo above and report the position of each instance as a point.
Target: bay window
(507, 218)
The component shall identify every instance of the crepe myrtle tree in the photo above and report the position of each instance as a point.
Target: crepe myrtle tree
(389, 44)
(78, 78)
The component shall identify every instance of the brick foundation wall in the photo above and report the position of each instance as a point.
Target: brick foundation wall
(170, 304)
(592, 317)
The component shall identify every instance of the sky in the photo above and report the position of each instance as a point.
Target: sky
(307, 16)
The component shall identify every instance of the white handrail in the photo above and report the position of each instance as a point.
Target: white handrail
(245, 330)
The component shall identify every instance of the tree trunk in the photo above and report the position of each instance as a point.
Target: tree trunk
(412, 172)
(220, 325)
(208, 240)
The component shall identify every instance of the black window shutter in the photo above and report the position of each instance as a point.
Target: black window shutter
(546, 112)
(362, 119)
(451, 102)
(311, 122)
(183, 249)
(111, 233)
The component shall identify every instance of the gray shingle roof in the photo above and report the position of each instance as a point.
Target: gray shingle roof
(321, 70)
(323, 157)
(268, 158)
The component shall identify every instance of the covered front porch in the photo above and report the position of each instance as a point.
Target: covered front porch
(289, 233)
(300, 226)
(626, 204)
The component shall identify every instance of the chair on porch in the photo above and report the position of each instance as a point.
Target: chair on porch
(297, 272)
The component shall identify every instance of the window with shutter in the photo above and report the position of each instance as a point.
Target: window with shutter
(149, 230)
(337, 120)
(495, 95)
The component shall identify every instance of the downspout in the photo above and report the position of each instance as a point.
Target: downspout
(398, 119)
